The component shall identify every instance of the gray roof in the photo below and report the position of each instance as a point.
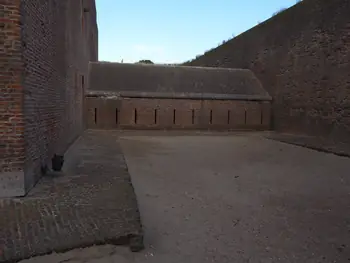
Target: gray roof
(131, 78)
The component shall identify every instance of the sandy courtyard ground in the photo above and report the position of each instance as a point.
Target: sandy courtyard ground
(232, 198)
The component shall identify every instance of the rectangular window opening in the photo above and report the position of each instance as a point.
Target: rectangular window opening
(211, 117)
(135, 116)
(174, 116)
(95, 115)
(192, 116)
(155, 116)
(76, 80)
(228, 116)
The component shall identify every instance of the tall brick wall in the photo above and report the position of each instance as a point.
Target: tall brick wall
(11, 98)
(57, 40)
(57, 48)
(302, 58)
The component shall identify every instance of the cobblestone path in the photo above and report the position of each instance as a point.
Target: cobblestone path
(91, 202)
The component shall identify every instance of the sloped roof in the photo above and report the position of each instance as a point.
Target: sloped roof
(122, 77)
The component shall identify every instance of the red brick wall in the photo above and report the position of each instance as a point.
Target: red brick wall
(11, 93)
(302, 58)
(147, 113)
(44, 54)
(57, 43)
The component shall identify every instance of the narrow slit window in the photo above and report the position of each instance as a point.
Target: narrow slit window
(135, 116)
(228, 116)
(174, 116)
(192, 116)
(95, 115)
(155, 116)
(82, 82)
(211, 117)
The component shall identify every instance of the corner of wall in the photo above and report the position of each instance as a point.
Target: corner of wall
(11, 101)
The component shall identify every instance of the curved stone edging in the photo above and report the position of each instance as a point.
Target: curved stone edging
(91, 203)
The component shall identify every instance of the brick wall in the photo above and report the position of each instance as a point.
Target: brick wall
(58, 44)
(302, 58)
(138, 96)
(152, 113)
(56, 40)
(11, 99)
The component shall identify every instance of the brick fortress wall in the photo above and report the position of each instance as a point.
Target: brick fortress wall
(302, 58)
(129, 96)
(11, 98)
(56, 40)
(58, 44)
(105, 112)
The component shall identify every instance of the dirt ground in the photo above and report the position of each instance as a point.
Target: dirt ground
(90, 202)
(232, 198)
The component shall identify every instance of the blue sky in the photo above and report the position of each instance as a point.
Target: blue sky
(173, 31)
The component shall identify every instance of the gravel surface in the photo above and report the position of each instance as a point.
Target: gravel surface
(233, 198)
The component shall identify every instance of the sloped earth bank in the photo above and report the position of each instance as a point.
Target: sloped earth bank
(232, 198)
(91, 202)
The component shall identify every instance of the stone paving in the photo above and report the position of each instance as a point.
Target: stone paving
(91, 202)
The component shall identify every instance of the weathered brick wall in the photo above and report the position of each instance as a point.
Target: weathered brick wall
(175, 97)
(44, 53)
(302, 58)
(153, 113)
(11, 98)
(57, 46)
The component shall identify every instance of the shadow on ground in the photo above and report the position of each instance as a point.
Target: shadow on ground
(92, 202)
(222, 197)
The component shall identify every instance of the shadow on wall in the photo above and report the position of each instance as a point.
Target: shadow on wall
(302, 57)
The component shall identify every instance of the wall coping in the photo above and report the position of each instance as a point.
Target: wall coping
(175, 95)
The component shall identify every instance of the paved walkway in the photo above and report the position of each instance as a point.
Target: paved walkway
(92, 202)
(238, 198)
